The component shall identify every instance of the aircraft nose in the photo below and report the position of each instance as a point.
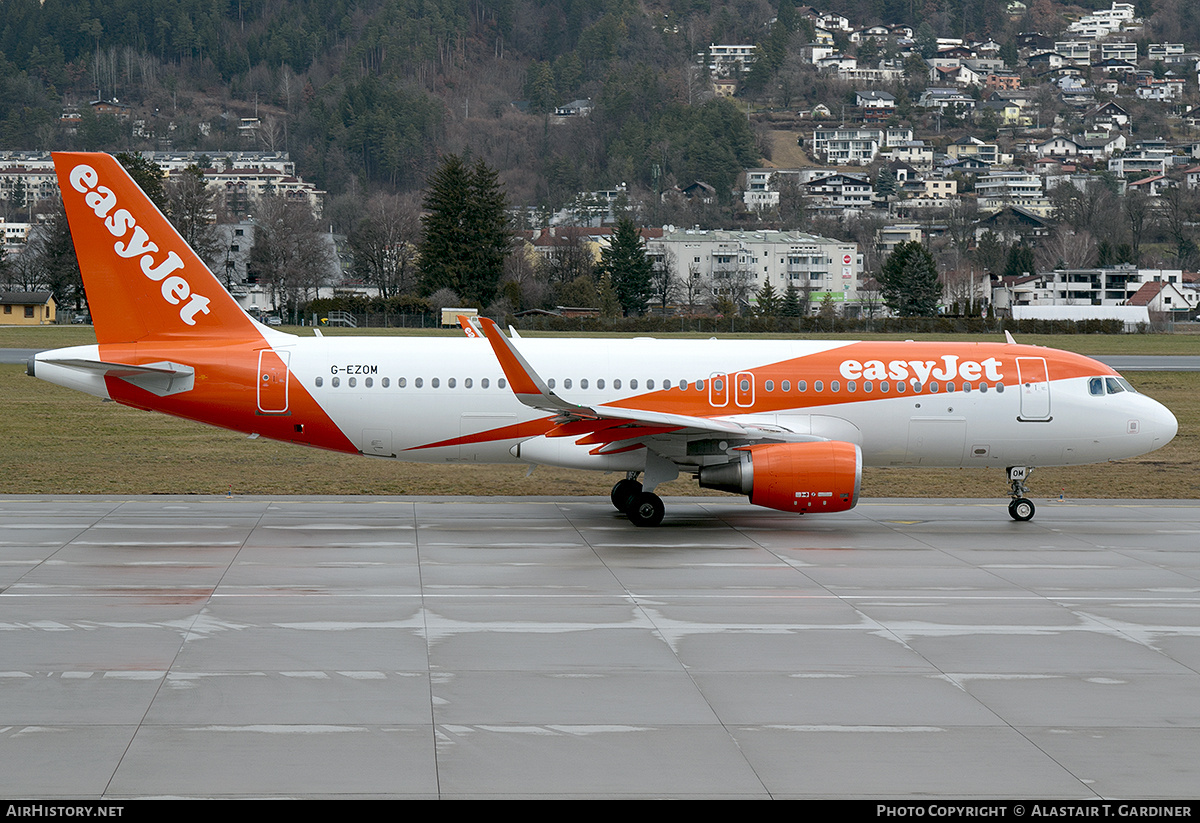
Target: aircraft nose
(1165, 426)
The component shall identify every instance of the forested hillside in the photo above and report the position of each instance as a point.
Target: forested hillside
(367, 95)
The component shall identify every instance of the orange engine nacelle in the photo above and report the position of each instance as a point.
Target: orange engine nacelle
(793, 477)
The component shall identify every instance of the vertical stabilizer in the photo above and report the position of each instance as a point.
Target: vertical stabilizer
(142, 279)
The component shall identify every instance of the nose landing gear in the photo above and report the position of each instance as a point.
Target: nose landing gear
(1021, 508)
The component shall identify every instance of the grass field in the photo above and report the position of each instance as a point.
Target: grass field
(58, 441)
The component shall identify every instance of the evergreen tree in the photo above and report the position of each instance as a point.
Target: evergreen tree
(467, 233)
(148, 176)
(1020, 261)
(909, 281)
(768, 301)
(626, 263)
(792, 303)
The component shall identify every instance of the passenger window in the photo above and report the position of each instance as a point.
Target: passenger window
(369, 382)
(483, 384)
(583, 383)
(899, 387)
(633, 384)
(385, 382)
(649, 384)
(600, 383)
(501, 383)
(868, 386)
(401, 382)
(550, 382)
(801, 385)
(320, 382)
(1000, 388)
(353, 382)
(617, 383)
(818, 385)
(933, 387)
(435, 382)
(419, 382)
(884, 386)
(850, 386)
(567, 383)
(770, 385)
(466, 383)
(336, 382)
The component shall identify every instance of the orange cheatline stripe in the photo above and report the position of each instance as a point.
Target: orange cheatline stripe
(530, 428)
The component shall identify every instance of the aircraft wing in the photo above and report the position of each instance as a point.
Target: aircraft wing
(610, 426)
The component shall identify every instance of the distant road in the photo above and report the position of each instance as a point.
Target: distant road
(1150, 362)
(1141, 362)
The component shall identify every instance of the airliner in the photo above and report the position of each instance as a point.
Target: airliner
(789, 423)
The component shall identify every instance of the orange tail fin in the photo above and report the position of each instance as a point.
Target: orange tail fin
(142, 279)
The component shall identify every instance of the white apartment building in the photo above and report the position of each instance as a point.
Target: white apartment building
(1012, 188)
(30, 172)
(740, 263)
(1119, 51)
(727, 60)
(1075, 51)
(1165, 52)
(856, 146)
(1113, 286)
(1143, 160)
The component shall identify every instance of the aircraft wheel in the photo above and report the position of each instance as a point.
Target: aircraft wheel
(646, 509)
(1021, 509)
(623, 492)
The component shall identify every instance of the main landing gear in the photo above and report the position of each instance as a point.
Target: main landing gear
(641, 507)
(1021, 508)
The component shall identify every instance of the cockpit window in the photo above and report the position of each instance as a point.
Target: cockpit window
(1126, 385)
(1113, 385)
(1096, 386)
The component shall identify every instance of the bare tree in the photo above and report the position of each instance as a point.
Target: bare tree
(663, 280)
(1139, 216)
(1178, 209)
(695, 289)
(290, 255)
(1066, 249)
(384, 243)
(191, 207)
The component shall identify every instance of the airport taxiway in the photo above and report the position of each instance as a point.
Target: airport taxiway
(525, 647)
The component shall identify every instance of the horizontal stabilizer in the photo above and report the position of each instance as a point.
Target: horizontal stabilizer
(162, 378)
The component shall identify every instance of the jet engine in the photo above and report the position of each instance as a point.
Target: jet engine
(824, 476)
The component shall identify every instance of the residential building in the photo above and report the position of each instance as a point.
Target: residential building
(33, 308)
(726, 60)
(1011, 188)
(1113, 286)
(1117, 50)
(737, 264)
